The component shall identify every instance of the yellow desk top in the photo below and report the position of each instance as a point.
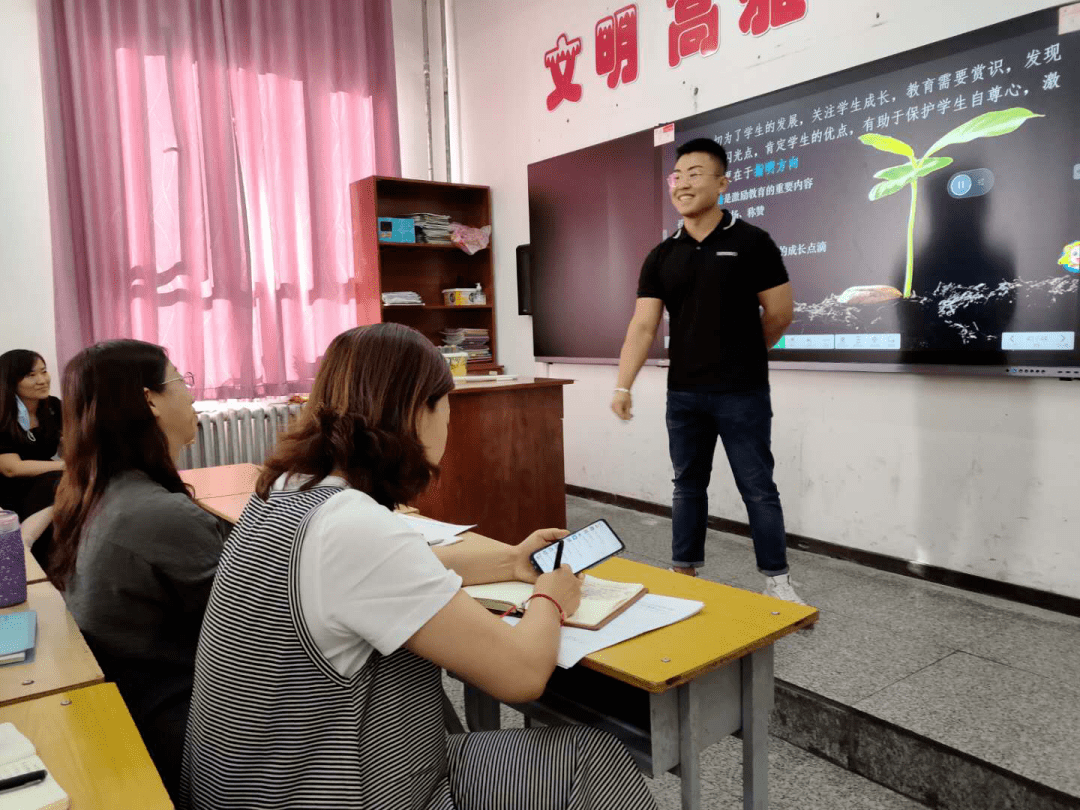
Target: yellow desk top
(62, 660)
(33, 569)
(228, 479)
(732, 624)
(92, 748)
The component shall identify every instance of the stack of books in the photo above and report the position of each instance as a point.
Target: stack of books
(402, 299)
(473, 342)
(432, 229)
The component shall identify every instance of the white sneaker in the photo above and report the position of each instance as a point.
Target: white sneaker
(780, 587)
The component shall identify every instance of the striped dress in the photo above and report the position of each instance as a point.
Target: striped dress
(273, 725)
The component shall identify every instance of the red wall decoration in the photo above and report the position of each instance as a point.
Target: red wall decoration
(696, 29)
(617, 46)
(761, 15)
(561, 61)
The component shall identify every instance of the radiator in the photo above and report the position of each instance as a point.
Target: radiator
(237, 432)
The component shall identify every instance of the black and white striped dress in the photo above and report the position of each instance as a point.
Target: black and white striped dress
(273, 725)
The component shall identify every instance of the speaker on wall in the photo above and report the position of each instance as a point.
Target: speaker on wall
(524, 281)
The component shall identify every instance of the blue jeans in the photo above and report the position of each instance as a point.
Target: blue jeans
(743, 422)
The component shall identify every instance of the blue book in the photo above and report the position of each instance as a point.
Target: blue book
(18, 632)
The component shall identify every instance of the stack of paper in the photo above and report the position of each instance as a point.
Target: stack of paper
(473, 342)
(650, 612)
(398, 299)
(432, 228)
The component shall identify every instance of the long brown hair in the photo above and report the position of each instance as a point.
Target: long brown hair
(109, 429)
(361, 417)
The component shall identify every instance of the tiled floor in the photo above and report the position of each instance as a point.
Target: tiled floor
(995, 679)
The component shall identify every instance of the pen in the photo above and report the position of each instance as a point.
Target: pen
(558, 556)
(23, 780)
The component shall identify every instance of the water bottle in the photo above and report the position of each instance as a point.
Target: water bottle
(12, 561)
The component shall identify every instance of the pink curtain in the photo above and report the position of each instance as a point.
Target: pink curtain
(200, 153)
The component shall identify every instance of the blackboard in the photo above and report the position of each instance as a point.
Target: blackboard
(928, 205)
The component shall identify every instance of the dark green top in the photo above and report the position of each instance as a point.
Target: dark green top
(146, 563)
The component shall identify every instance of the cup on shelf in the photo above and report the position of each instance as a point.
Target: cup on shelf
(458, 362)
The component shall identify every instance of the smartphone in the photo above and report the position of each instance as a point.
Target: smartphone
(582, 549)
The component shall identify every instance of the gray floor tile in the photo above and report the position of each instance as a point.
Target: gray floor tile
(1007, 716)
(799, 780)
(847, 659)
(1047, 645)
(934, 612)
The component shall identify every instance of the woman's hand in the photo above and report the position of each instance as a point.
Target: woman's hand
(562, 586)
(523, 567)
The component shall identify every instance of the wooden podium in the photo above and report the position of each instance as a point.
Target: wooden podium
(503, 467)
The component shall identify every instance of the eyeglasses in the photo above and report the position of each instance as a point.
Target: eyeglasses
(693, 178)
(189, 380)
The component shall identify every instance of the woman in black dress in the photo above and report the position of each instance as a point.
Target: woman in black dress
(30, 422)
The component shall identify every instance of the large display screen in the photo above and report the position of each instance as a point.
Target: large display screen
(928, 204)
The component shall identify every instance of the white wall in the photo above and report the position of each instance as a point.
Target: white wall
(975, 475)
(411, 88)
(25, 246)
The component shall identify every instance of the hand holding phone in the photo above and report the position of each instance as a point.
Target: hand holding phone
(580, 550)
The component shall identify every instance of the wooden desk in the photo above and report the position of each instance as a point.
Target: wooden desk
(34, 573)
(92, 748)
(503, 467)
(671, 693)
(61, 659)
(228, 479)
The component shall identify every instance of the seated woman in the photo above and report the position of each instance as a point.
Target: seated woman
(29, 439)
(135, 555)
(318, 678)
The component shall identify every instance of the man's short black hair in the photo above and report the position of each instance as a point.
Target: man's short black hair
(707, 145)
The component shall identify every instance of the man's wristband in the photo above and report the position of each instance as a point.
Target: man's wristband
(622, 390)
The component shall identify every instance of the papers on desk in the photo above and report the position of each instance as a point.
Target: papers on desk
(436, 532)
(651, 612)
(17, 757)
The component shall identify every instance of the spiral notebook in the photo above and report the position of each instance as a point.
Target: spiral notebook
(18, 756)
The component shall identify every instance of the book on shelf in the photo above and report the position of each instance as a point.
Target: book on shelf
(601, 599)
(402, 299)
(18, 757)
(432, 228)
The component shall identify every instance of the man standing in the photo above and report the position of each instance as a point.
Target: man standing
(728, 297)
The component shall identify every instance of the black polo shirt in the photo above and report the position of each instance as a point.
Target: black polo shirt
(710, 291)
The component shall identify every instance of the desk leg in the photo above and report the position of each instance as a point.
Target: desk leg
(757, 685)
(690, 715)
(481, 710)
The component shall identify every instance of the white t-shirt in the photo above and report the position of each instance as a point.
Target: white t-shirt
(366, 579)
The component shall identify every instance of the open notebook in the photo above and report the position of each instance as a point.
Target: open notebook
(18, 756)
(601, 599)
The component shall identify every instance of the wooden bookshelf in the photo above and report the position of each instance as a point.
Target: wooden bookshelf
(422, 268)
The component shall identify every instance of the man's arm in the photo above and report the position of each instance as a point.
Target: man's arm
(779, 306)
(639, 337)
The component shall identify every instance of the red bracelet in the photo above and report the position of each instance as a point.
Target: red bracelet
(558, 607)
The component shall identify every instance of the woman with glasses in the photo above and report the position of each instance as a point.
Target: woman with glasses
(133, 552)
(29, 440)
